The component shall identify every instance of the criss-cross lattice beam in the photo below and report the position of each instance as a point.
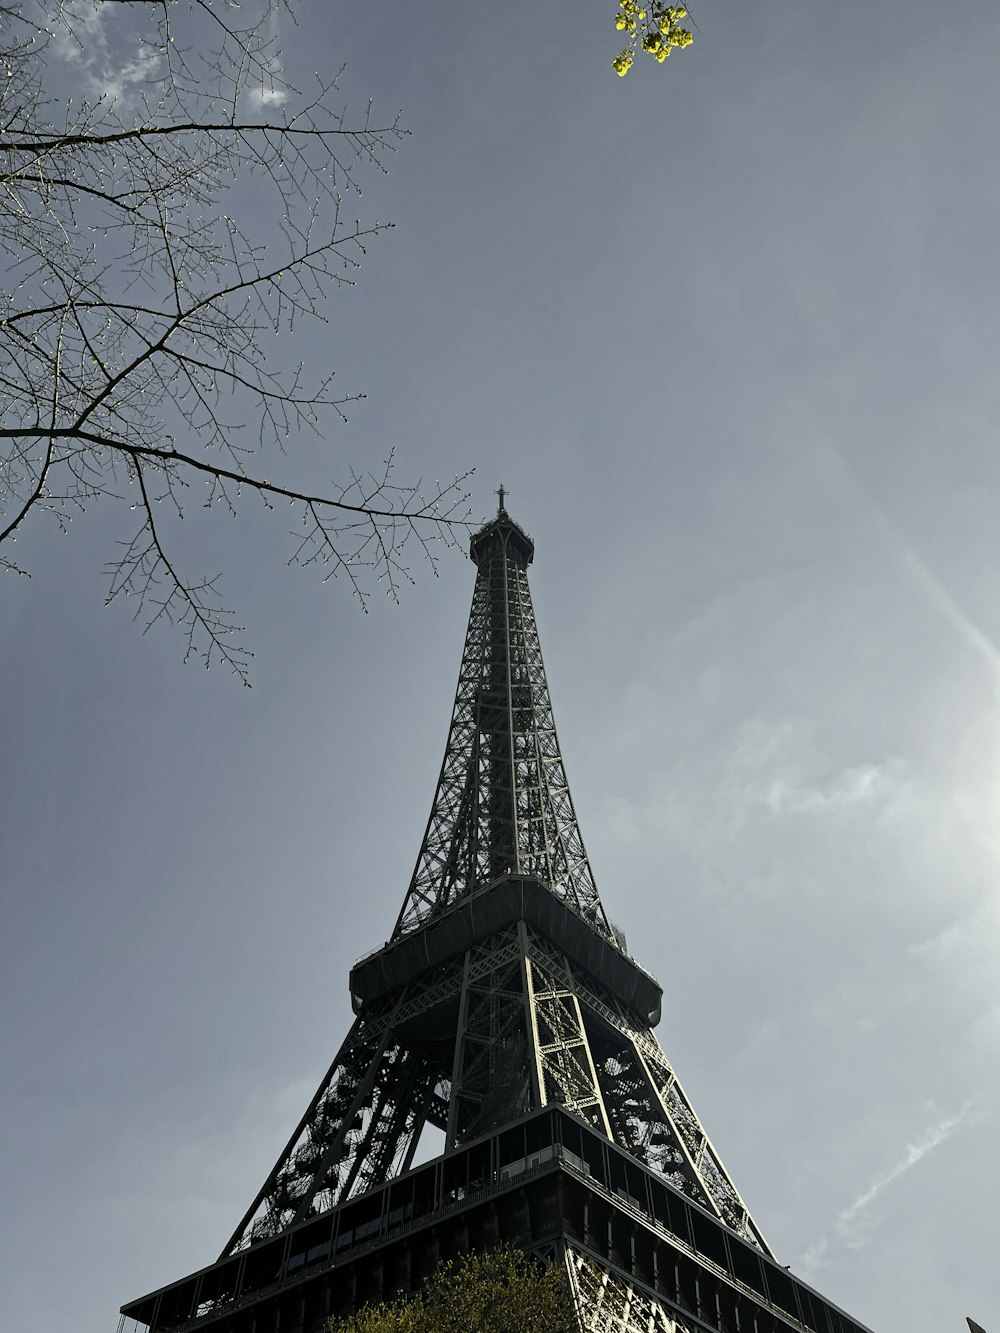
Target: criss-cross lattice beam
(491, 1080)
(606, 1302)
(502, 804)
(564, 1059)
(649, 1113)
(360, 1128)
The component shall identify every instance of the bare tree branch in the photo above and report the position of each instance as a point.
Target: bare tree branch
(146, 295)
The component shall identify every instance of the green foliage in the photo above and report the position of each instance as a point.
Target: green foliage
(656, 30)
(499, 1291)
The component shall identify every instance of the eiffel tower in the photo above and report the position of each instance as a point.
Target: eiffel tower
(506, 1014)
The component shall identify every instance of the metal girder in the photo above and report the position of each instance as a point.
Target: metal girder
(359, 1129)
(275, 1205)
(562, 1051)
(520, 1041)
(607, 1302)
(649, 1112)
(432, 990)
(491, 1080)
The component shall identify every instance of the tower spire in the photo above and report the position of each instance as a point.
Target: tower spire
(502, 804)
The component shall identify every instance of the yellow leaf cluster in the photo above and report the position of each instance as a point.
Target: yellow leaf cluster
(655, 29)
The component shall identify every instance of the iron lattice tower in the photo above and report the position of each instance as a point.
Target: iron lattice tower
(505, 1011)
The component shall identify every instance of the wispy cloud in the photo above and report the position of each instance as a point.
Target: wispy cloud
(849, 1223)
(854, 788)
(775, 794)
(778, 769)
(102, 70)
(111, 62)
(973, 937)
(814, 1258)
(82, 28)
(273, 88)
(853, 1223)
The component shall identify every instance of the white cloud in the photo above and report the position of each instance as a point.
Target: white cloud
(970, 940)
(261, 97)
(102, 70)
(116, 81)
(862, 786)
(82, 29)
(273, 89)
(773, 769)
(111, 61)
(272, 95)
(814, 1259)
(853, 1223)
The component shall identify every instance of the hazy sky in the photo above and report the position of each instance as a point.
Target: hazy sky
(729, 331)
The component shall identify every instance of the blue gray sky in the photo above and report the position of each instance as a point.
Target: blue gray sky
(728, 331)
